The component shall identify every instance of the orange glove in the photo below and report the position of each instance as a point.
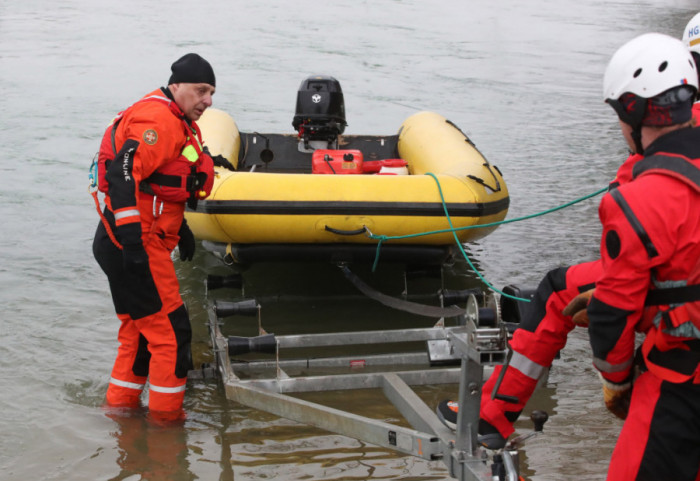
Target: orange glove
(617, 397)
(577, 308)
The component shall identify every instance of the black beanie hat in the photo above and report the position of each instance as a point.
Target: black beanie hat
(192, 69)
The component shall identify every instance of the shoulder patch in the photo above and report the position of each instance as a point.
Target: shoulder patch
(150, 136)
(613, 244)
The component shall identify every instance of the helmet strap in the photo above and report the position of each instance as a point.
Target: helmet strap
(632, 118)
(637, 138)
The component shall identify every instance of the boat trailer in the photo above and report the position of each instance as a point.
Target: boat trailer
(457, 354)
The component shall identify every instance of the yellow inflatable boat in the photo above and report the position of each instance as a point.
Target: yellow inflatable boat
(321, 195)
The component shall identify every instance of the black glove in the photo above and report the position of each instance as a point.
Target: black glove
(221, 161)
(135, 259)
(186, 244)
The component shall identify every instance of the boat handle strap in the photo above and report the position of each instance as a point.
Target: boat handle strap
(400, 304)
(347, 232)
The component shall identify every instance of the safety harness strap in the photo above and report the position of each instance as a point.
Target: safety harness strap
(685, 171)
(107, 225)
(673, 166)
(673, 295)
(192, 182)
(673, 365)
(635, 223)
(668, 361)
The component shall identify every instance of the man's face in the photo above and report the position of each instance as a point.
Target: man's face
(193, 99)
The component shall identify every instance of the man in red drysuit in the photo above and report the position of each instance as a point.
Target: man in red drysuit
(544, 328)
(650, 250)
(151, 162)
(541, 334)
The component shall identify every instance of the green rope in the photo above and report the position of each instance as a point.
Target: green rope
(454, 230)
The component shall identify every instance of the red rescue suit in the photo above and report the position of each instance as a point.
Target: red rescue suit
(157, 165)
(541, 334)
(544, 330)
(651, 246)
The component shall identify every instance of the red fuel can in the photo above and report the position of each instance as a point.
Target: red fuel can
(327, 161)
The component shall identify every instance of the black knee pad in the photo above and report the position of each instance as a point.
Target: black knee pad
(180, 321)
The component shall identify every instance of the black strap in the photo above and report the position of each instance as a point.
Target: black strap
(679, 360)
(114, 133)
(673, 295)
(668, 164)
(634, 222)
(346, 232)
(400, 304)
(192, 182)
(165, 180)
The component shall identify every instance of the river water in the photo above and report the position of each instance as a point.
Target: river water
(523, 79)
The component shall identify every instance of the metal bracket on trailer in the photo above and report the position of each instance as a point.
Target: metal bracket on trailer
(429, 439)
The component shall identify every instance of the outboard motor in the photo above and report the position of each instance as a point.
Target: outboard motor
(320, 112)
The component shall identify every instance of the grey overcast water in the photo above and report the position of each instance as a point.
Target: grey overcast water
(522, 78)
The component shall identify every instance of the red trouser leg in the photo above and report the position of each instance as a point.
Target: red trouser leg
(660, 440)
(130, 368)
(536, 342)
(166, 385)
(153, 316)
(169, 336)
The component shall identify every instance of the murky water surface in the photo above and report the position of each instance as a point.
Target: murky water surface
(523, 79)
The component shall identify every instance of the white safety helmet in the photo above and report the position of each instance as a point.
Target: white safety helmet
(647, 66)
(651, 80)
(691, 34)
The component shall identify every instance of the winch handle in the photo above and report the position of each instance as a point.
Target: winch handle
(494, 393)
